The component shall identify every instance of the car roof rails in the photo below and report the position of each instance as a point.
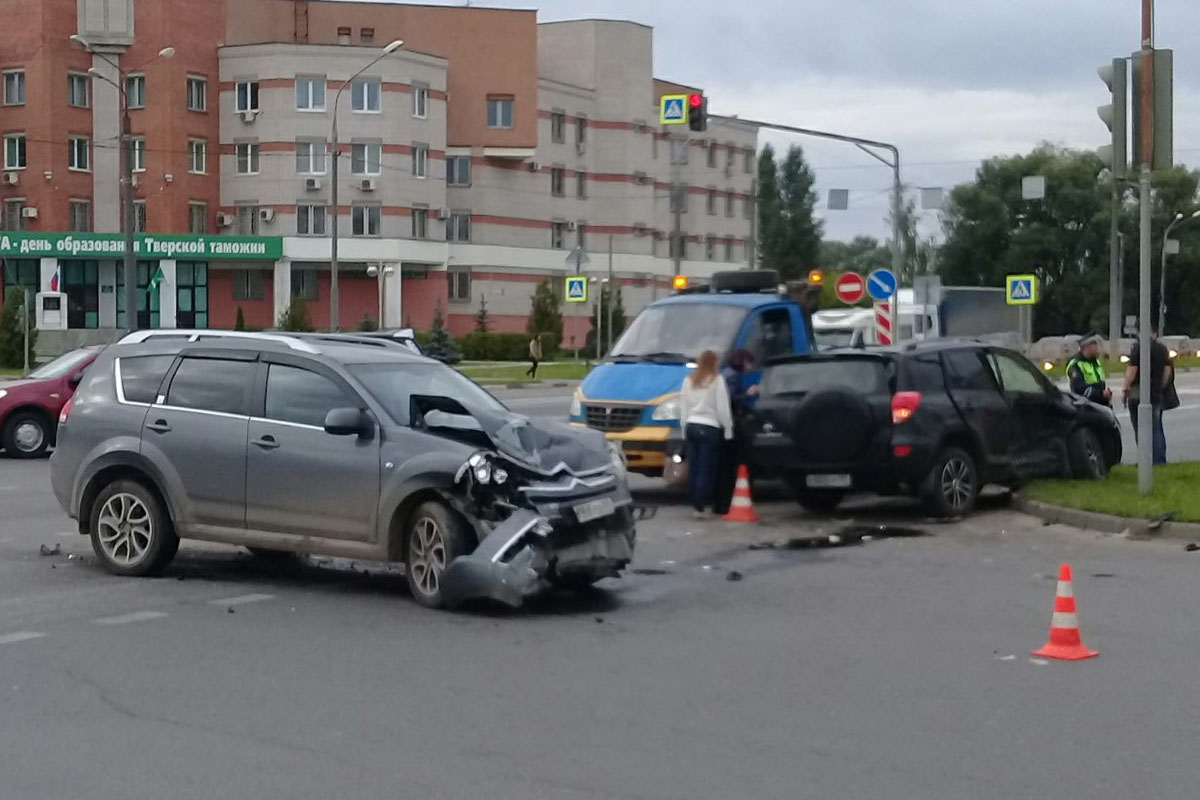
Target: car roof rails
(291, 342)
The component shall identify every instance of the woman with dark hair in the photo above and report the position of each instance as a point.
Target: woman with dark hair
(734, 451)
(707, 420)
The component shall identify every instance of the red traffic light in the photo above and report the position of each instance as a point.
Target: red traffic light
(696, 100)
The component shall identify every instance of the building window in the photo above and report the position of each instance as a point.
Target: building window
(712, 155)
(197, 93)
(246, 220)
(581, 127)
(14, 151)
(10, 215)
(310, 220)
(249, 284)
(364, 219)
(197, 218)
(711, 204)
(581, 185)
(14, 87)
(79, 90)
(679, 198)
(558, 126)
(197, 156)
(729, 154)
(729, 249)
(304, 284)
(21, 274)
(139, 216)
(135, 91)
(420, 160)
(80, 153)
(558, 235)
(310, 157)
(420, 101)
(420, 223)
(364, 95)
(458, 226)
(247, 96)
(679, 243)
(748, 202)
(679, 151)
(729, 203)
(310, 92)
(366, 35)
(458, 170)
(710, 248)
(581, 234)
(365, 158)
(500, 112)
(79, 215)
(139, 153)
(558, 179)
(748, 162)
(459, 285)
(247, 158)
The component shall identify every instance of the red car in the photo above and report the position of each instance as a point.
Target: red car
(29, 406)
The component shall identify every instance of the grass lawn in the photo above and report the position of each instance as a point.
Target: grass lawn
(5, 372)
(1116, 368)
(515, 373)
(1176, 488)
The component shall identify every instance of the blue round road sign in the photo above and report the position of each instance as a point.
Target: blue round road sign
(881, 284)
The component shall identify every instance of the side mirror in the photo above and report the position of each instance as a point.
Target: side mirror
(75, 380)
(347, 422)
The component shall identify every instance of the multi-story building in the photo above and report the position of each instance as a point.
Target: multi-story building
(487, 153)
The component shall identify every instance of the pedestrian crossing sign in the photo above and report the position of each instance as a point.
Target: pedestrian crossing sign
(673, 109)
(576, 289)
(1021, 290)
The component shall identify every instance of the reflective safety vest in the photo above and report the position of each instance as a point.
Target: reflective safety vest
(1092, 371)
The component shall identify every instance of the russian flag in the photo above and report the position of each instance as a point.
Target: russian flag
(56, 279)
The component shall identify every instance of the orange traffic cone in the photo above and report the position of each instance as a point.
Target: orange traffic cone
(1065, 643)
(742, 507)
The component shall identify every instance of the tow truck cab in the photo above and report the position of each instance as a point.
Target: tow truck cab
(632, 396)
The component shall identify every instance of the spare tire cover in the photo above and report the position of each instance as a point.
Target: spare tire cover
(832, 426)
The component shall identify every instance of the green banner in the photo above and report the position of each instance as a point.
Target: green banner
(29, 244)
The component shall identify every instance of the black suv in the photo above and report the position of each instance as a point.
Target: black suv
(939, 419)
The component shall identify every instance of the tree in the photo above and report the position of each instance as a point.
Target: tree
(12, 329)
(601, 310)
(367, 324)
(296, 317)
(770, 209)
(240, 323)
(544, 313)
(481, 317)
(789, 234)
(441, 345)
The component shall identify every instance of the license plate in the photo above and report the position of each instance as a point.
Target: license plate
(828, 481)
(586, 512)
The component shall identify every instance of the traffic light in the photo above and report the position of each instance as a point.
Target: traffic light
(697, 112)
(1116, 77)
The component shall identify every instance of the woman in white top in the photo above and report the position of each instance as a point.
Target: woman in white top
(706, 418)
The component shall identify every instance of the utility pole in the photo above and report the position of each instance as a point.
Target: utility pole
(611, 297)
(1114, 273)
(1145, 149)
(130, 267)
(25, 296)
(678, 197)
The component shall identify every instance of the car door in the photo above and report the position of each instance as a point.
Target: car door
(195, 432)
(1036, 433)
(976, 393)
(300, 479)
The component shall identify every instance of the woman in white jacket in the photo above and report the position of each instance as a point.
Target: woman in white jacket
(707, 418)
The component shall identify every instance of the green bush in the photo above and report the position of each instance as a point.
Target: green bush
(12, 332)
(479, 346)
(296, 317)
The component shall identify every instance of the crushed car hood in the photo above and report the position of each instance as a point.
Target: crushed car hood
(544, 445)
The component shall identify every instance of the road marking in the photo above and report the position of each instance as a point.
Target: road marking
(242, 600)
(125, 619)
(23, 636)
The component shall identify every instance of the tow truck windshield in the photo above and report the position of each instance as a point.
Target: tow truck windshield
(679, 332)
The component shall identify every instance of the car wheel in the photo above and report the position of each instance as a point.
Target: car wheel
(1088, 461)
(131, 531)
(26, 435)
(819, 501)
(436, 536)
(952, 486)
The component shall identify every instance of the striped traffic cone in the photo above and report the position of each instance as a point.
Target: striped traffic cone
(742, 507)
(1065, 642)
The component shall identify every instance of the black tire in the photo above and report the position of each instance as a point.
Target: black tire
(131, 531)
(26, 434)
(819, 501)
(952, 485)
(1088, 461)
(424, 573)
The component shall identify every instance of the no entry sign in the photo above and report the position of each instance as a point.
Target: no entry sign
(850, 288)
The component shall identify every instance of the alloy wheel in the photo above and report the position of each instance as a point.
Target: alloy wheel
(957, 485)
(1094, 457)
(125, 529)
(427, 555)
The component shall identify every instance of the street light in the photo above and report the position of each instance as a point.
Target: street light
(1180, 219)
(126, 150)
(333, 240)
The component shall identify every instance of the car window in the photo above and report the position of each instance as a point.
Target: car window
(61, 365)
(770, 334)
(865, 376)
(1017, 376)
(211, 384)
(303, 397)
(924, 374)
(967, 371)
(393, 386)
(142, 375)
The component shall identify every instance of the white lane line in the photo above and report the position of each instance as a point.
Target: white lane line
(125, 619)
(242, 600)
(23, 636)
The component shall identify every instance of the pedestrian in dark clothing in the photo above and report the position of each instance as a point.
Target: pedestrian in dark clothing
(735, 452)
(1086, 373)
(1161, 376)
(535, 355)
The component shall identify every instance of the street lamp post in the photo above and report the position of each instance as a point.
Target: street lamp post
(333, 239)
(1180, 219)
(126, 157)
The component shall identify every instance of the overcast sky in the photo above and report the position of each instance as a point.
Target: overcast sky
(949, 81)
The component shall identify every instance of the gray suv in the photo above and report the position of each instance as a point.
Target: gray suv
(346, 448)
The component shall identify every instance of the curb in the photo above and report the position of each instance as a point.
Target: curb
(1108, 523)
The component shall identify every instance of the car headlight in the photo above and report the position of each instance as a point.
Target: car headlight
(666, 411)
(3, 394)
(617, 456)
(1173, 354)
(576, 404)
(481, 468)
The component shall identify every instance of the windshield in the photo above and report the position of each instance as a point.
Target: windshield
(836, 337)
(393, 386)
(859, 375)
(62, 365)
(681, 331)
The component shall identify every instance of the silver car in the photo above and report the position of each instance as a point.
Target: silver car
(335, 447)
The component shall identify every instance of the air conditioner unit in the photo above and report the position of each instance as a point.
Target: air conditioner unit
(12, 178)
(640, 230)
(367, 185)
(312, 184)
(29, 212)
(535, 166)
(443, 213)
(571, 226)
(266, 214)
(249, 115)
(224, 220)
(640, 178)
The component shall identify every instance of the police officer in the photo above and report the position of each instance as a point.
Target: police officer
(1086, 372)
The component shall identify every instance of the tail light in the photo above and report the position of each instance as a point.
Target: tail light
(66, 411)
(904, 405)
